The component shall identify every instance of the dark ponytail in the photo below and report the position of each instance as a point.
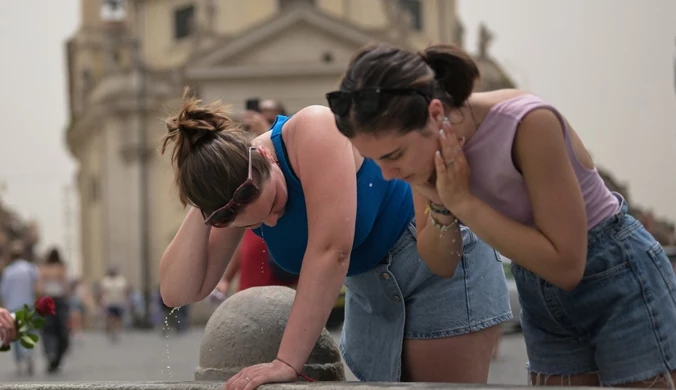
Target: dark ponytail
(443, 72)
(454, 70)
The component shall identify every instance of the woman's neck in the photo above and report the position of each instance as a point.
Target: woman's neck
(465, 120)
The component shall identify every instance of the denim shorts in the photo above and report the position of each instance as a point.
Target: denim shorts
(620, 321)
(402, 299)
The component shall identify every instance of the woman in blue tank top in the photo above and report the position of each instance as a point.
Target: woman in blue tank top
(597, 291)
(325, 213)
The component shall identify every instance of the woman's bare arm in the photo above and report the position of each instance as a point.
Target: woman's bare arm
(325, 163)
(556, 249)
(195, 260)
(440, 252)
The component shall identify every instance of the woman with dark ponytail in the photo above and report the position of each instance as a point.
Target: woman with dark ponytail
(596, 289)
(53, 282)
(328, 214)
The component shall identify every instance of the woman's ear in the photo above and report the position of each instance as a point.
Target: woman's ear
(436, 111)
(265, 153)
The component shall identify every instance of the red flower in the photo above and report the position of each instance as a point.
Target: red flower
(45, 306)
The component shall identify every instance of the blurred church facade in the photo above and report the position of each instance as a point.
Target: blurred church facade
(130, 59)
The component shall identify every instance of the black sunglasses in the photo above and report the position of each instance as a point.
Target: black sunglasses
(367, 99)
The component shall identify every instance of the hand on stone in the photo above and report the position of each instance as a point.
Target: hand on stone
(260, 374)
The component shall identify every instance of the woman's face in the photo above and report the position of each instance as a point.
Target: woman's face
(269, 206)
(409, 156)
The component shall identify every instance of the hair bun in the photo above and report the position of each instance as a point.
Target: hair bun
(440, 68)
(194, 130)
(454, 69)
(194, 125)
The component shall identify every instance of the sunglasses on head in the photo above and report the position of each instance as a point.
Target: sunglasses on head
(244, 195)
(367, 99)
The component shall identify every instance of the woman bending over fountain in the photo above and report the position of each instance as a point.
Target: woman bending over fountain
(597, 290)
(326, 213)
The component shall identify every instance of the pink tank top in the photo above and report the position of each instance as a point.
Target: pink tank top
(495, 179)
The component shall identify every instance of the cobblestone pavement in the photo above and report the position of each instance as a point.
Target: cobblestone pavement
(148, 356)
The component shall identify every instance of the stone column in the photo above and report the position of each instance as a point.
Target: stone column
(247, 329)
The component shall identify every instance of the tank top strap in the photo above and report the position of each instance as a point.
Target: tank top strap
(520, 106)
(280, 149)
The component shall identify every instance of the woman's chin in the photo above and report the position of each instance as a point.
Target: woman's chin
(414, 179)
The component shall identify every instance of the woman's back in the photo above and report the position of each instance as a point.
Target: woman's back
(495, 175)
(384, 209)
(53, 277)
(53, 280)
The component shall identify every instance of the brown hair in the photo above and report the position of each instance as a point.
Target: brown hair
(211, 154)
(445, 72)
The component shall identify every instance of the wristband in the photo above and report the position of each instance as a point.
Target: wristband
(299, 374)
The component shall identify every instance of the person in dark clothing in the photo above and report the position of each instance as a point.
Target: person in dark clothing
(55, 335)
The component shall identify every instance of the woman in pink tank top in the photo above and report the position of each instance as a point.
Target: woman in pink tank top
(597, 292)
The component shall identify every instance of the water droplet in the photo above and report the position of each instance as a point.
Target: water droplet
(166, 330)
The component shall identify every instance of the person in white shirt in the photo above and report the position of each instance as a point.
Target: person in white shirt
(114, 299)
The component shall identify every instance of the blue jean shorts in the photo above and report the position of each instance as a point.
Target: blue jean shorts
(402, 299)
(620, 321)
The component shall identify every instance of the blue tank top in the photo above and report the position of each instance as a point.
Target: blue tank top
(384, 209)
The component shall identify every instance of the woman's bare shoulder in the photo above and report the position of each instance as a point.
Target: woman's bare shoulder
(492, 98)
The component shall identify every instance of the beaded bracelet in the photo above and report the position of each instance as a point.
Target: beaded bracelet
(437, 209)
(442, 228)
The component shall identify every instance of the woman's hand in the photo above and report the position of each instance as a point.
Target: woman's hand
(252, 377)
(223, 286)
(452, 169)
(7, 326)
